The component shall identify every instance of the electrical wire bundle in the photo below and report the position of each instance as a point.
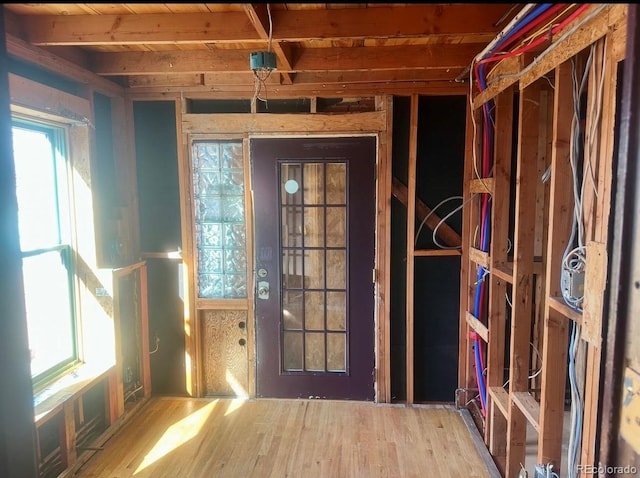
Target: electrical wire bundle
(261, 75)
(529, 29)
(574, 258)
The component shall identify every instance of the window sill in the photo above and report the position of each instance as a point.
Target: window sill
(51, 399)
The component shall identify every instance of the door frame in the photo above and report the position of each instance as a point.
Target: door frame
(357, 374)
(263, 125)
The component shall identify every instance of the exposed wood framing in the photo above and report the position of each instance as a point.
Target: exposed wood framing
(602, 18)
(411, 228)
(437, 252)
(48, 101)
(242, 127)
(497, 429)
(250, 331)
(597, 257)
(308, 80)
(593, 24)
(144, 319)
(544, 234)
(193, 352)
(478, 327)
(479, 257)
(284, 123)
(311, 59)
(303, 90)
(259, 15)
(117, 274)
(522, 294)
(445, 232)
(68, 434)
(466, 379)
(383, 253)
(288, 26)
(126, 178)
(556, 328)
(24, 51)
(124, 111)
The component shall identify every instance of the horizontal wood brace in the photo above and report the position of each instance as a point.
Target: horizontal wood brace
(501, 398)
(478, 327)
(481, 185)
(529, 407)
(479, 257)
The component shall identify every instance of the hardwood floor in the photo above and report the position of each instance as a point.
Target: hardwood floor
(179, 437)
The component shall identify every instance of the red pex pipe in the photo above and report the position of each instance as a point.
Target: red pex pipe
(537, 41)
(541, 19)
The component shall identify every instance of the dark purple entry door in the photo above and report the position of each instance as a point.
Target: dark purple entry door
(314, 207)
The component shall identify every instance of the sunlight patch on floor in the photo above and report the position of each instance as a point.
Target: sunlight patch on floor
(177, 434)
(234, 405)
(235, 385)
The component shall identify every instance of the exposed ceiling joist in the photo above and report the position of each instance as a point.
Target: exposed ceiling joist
(261, 19)
(421, 57)
(318, 47)
(468, 22)
(312, 79)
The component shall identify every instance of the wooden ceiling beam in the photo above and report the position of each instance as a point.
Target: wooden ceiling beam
(330, 78)
(302, 91)
(366, 59)
(149, 29)
(466, 22)
(258, 14)
(46, 60)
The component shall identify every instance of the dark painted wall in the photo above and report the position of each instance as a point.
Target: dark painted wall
(159, 210)
(400, 161)
(157, 174)
(17, 440)
(105, 184)
(439, 172)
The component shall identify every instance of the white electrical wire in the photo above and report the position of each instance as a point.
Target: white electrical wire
(270, 27)
(444, 201)
(553, 46)
(534, 374)
(574, 258)
(576, 405)
(595, 117)
(262, 74)
(435, 229)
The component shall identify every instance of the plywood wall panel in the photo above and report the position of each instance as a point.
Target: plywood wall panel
(225, 363)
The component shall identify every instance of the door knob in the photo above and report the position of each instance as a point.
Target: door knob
(263, 290)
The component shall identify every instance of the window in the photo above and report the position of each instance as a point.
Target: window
(218, 183)
(44, 215)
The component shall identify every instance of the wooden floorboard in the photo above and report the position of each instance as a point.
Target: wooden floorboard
(178, 437)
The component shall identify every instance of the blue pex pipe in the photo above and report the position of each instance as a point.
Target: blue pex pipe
(515, 29)
(485, 223)
(479, 377)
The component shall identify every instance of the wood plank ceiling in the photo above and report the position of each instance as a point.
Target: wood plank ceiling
(206, 47)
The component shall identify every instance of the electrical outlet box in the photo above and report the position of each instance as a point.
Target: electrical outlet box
(572, 283)
(262, 60)
(540, 471)
(630, 419)
(544, 471)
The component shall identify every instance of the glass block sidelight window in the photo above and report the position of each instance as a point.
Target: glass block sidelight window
(220, 227)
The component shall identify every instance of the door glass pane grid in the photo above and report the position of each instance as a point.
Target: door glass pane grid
(314, 257)
(220, 226)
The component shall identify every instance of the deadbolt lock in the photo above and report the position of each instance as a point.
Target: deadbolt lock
(263, 290)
